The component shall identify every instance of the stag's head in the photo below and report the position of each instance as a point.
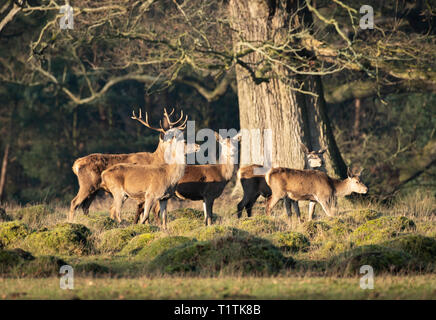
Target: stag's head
(175, 149)
(314, 158)
(169, 129)
(228, 147)
(354, 182)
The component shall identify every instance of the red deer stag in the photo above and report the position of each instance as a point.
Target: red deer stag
(147, 183)
(88, 169)
(311, 185)
(207, 182)
(254, 185)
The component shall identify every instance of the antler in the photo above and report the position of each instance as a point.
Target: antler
(172, 124)
(145, 123)
(355, 171)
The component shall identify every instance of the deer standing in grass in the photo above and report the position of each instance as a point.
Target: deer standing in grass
(207, 182)
(311, 185)
(254, 185)
(147, 183)
(88, 169)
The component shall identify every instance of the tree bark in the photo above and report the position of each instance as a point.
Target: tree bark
(293, 117)
(3, 171)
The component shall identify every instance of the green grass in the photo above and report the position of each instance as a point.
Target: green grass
(385, 287)
(257, 258)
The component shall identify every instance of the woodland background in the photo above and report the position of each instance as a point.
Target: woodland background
(385, 124)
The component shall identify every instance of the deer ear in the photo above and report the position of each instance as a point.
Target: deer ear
(349, 173)
(161, 137)
(304, 148)
(237, 137)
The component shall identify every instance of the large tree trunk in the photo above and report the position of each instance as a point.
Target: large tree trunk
(4, 170)
(293, 117)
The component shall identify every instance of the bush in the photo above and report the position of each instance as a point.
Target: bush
(363, 215)
(157, 246)
(182, 226)
(216, 231)
(289, 240)
(43, 266)
(259, 224)
(4, 217)
(34, 215)
(423, 248)
(90, 269)
(384, 228)
(228, 255)
(11, 232)
(379, 258)
(313, 228)
(101, 223)
(338, 228)
(334, 247)
(11, 258)
(63, 239)
(114, 240)
(188, 213)
(138, 242)
(142, 228)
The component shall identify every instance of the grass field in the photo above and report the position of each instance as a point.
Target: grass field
(249, 258)
(291, 287)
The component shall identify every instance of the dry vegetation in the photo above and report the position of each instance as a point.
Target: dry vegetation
(248, 258)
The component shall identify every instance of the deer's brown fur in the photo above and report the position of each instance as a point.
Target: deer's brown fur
(207, 182)
(145, 183)
(88, 169)
(254, 185)
(311, 185)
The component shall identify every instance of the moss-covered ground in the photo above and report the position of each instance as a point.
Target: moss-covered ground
(259, 257)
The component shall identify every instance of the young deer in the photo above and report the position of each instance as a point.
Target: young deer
(88, 169)
(206, 182)
(311, 185)
(147, 183)
(254, 186)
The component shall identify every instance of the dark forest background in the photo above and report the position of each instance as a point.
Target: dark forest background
(43, 132)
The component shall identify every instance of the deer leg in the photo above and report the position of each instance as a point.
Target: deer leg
(241, 205)
(116, 206)
(209, 207)
(139, 210)
(87, 203)
(326, 206)
(205, 212)
(118, 212)
(156, 210)
(250, 205)
(146, 214)
(297, 210)
(81, 196)
(312, 205)
(163, 213)
(271, 202)
(287, 205)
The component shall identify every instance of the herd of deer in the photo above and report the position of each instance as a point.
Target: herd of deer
(150, 179)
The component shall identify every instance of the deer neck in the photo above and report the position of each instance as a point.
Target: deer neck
(342, 187)
(227, 166)
(176, 171)
(159, 152)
